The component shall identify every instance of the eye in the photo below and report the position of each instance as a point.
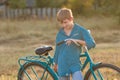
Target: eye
(65, 22)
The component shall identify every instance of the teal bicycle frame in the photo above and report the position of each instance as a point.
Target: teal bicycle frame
(47, 62)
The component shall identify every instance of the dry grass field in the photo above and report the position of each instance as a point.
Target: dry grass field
(20, 37)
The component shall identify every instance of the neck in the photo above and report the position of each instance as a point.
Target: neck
(69, 27)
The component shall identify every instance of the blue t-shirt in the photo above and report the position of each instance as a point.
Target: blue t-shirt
(68, 56)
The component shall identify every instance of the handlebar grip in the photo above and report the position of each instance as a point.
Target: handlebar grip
(61, 42)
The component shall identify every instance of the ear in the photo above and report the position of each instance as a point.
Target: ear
(71, 18)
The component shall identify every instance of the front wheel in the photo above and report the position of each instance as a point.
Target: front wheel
(104, 72)
(34, 71)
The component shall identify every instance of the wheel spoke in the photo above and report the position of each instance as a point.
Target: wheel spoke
(100, 75)
(34, 71)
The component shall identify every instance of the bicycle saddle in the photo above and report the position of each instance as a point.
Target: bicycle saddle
(43, 50)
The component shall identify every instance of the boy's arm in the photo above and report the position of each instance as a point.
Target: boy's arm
(79, 42)
(56, 56)
(55, 59)
(56, 53)
(86, 41)
(87, 37)
(55, 67)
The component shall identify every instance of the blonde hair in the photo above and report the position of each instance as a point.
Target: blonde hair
(63, 14)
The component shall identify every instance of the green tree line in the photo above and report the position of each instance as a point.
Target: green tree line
(82, 6)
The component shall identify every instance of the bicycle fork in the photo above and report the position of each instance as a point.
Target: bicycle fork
(92, 64)
(94, 74)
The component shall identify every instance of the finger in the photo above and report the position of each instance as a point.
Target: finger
(68, 43)
(76, 42)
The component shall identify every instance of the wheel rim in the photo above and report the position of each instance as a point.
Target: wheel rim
(35, 72)
(107, 74)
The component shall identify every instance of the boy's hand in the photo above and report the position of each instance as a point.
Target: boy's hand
(77, 42)
(55, 67)
(68, 42)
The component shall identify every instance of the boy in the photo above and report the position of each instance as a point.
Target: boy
(67, 55)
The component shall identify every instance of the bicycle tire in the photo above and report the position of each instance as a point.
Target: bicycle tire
(37, 68)
(106, 70)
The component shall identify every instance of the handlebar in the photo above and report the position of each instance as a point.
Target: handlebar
(61, 42)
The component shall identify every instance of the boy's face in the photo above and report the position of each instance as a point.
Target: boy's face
(66, 23)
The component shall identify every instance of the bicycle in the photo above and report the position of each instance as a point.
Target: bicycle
(41, 67)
